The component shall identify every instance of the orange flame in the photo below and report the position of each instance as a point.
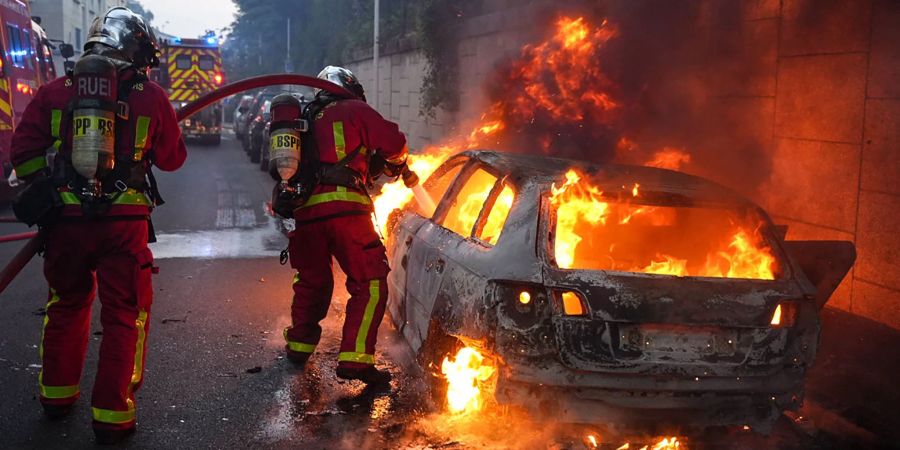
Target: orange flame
(581, 208)
(467, 375)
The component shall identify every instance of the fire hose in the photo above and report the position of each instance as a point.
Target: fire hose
(36, 239)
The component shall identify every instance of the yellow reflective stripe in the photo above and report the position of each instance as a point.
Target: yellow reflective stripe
(374, 297)
(52, 391)
(55, 122)
(69, 198)
(356, 357)
(326, 197)
(296, 278)
(340, 145)
(138, 372)
(295, 346)
(141, 132)
(301, 347)
(110, 416)
(31, 166)
(132, 197)
(58, 392)
(54, 299)
(129, 197)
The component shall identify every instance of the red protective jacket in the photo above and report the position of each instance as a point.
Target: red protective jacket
(153, 132)
(340, 128)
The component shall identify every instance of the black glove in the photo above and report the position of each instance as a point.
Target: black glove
(284, 202)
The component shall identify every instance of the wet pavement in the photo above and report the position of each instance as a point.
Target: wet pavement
(216, 376)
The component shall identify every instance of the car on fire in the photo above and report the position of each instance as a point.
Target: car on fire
(611, 294)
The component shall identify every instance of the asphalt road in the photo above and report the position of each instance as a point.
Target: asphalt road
(216, 376)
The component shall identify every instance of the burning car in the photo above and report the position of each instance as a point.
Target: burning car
(614, 294)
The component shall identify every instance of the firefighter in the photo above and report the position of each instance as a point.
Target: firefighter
(106, 124)
(345, 137)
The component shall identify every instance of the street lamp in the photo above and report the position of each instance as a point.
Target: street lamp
(375, 52)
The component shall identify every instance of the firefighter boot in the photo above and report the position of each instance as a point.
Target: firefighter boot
(109, 436)
(369, 375)
(56, 412)
(298, 358)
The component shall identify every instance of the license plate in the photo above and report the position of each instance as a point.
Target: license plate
(673, 339)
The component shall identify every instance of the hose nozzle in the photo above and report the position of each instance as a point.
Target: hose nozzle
(410, 179)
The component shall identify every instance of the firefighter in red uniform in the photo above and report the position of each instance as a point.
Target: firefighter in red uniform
(97, 240)
(346, 135)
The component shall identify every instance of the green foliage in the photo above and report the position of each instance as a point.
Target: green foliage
(321, 32)
(438, 32)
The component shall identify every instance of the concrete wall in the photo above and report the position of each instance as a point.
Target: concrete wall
(819, 87)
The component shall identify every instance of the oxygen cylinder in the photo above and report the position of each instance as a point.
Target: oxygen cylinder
(284, 149)
(94, 117)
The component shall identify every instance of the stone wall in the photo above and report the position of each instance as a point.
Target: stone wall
(816, 82)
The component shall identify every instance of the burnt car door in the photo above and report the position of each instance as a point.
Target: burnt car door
(401, 243)
(440, 278)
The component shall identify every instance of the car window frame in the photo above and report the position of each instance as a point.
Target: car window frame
(445, 167)
(488, 207)
(461, 179)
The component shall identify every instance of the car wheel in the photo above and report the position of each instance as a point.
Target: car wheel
(437, 346)
(264, 159)
(255, 152)
(216, 140)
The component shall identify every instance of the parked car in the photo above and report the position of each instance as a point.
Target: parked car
(255, 109)
(255, 130)
(588, 330)
(243, 107)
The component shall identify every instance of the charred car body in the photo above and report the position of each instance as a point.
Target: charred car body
(585, 338)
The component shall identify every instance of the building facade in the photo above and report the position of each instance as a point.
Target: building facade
(69, 20)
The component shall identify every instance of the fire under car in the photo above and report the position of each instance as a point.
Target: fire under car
(609, 294)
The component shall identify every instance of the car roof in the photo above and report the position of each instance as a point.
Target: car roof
(662, 186)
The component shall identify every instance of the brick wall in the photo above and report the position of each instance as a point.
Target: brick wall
(816, 82)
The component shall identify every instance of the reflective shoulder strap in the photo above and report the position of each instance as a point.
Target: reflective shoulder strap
(55, 124)
(141, 134)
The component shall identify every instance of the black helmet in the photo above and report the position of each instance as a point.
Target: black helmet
(128, 34)
(344, 78)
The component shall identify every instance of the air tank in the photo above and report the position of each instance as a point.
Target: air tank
(94, 117)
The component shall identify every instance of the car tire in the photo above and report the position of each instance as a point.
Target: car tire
(263, 159)
(214, 140)
(437, 346)
(255, 153)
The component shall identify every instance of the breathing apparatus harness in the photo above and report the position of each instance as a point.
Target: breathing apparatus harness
(130, 166)
(312, 172)
(100, 167)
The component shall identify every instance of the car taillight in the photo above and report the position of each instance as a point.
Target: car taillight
(570, 303)
(784, 315)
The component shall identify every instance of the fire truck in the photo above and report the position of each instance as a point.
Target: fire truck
(189, 68)
(26, 62)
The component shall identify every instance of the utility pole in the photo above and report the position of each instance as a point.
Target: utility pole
(375, 52)
(288, 63)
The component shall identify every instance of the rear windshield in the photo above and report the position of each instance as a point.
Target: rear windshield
(597, 231)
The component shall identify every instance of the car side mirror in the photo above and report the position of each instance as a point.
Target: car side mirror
(66, 50)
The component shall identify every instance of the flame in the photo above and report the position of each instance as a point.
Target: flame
(395, 195)
(555, 82)
(669, 158)
(467, 375)
(578, 203)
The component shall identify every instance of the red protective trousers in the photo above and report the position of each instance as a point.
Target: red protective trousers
(352, 240)
(83, 257)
